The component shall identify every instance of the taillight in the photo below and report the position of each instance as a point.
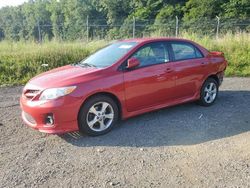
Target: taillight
(217, 54)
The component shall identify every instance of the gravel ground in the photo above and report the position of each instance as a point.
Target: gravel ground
(183, 146)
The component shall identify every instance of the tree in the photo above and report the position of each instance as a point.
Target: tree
(67, 19)
(236, 9)
(197, 9)
(116, 10)
(1, 34)
(57, 19)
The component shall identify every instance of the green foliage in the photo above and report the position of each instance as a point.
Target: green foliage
(116, 10)
(169, 12)
(66, 19)
(196, 9)
(237, 8)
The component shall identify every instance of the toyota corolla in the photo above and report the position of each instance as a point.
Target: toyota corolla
(124, 79)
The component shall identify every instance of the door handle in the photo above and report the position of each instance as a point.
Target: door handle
(168, 70)
(159, 75)
(203, 63)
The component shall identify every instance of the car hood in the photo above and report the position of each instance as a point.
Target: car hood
(62, 76)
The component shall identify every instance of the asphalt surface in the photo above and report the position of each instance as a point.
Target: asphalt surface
(183, 146)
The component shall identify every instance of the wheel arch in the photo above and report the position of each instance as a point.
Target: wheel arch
(104, 93)
(201, 99)
(215, 77)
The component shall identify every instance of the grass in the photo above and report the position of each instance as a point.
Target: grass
(21, 61)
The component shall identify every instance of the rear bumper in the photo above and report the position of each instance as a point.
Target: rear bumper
(64, 111)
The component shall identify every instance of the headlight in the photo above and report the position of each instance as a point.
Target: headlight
(54, 93)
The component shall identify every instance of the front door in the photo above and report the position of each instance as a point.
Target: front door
(153, 81)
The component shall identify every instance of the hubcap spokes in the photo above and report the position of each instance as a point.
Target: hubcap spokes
(210, 92)
(100, 116)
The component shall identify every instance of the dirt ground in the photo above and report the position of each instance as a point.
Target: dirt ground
(183, 146)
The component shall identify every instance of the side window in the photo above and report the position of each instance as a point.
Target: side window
(151, 54)
(184, 51)
(198, 53)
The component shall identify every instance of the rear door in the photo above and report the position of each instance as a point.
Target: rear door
(153, 81)
(190, 66)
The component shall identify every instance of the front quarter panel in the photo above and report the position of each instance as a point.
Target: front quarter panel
(109, 82)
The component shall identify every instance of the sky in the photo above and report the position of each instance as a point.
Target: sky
(4, 3)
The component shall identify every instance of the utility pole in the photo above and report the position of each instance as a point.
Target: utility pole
(133, 27)
(218, 27)
(176, 26)
(87, 24)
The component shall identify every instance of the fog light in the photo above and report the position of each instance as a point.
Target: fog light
(29, 118)
(49, 119)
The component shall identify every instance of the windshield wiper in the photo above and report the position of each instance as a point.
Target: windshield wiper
(84, 64)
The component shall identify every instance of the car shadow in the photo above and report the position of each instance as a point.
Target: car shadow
(186, 124)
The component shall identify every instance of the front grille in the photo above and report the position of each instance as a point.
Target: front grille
(29, 118)
(30, 94)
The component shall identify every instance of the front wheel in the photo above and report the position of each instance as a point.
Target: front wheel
(209, 92)
(98, 115)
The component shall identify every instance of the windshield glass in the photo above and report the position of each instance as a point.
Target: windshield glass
(108, 55)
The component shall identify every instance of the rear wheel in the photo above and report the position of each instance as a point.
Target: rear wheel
(209, 92)
(98, 115)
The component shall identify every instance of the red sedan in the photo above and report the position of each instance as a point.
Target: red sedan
(124, 79)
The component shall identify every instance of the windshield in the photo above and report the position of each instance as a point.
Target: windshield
(108, 55)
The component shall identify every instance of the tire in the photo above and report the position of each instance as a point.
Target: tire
(95, 117)
(209, 92)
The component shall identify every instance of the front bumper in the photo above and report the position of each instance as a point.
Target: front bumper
(64, 111)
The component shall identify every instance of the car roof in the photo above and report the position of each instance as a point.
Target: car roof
(160, 39)
(154, 39)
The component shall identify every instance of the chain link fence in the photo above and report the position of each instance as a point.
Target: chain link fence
(92, 29)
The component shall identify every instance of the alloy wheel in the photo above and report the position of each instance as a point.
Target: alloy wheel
(210, 92)
(100, 116)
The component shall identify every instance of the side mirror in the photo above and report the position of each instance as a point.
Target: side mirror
(132, 63)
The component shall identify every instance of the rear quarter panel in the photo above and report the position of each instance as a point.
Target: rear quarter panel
(217, 64)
